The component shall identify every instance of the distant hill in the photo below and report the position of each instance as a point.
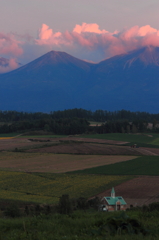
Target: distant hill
(58, 81)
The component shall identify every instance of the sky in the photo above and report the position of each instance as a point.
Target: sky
(91, 30)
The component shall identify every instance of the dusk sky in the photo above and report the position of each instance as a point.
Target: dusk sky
(91, 30)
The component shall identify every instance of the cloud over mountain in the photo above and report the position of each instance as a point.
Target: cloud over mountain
(90, 37)
(86, 41)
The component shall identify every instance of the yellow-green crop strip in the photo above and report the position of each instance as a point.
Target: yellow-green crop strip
(47, 188)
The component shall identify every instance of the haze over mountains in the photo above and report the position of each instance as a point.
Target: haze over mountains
(58, 81)
(7, 65)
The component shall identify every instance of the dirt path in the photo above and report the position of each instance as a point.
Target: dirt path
(145, 151)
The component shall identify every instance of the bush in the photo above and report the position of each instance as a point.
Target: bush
(12, 211)
(65, 206)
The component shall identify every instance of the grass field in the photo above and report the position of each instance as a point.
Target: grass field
(145, 165)
(47, 188)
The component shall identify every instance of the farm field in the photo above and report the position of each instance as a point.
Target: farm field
(139, 191)
(8, 136)
(144, 165)
(48, 188)
(92, 148)
(138, 138)
(74, 145)
(34, 168)
(55, 163)
(10, 144)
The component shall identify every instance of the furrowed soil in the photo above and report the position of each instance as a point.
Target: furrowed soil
(55, 163)
(139, 191)
(25, 142)
(87, 148)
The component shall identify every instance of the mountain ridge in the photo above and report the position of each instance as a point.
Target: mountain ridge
(58, 81)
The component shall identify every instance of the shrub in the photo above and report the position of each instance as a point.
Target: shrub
(12, 211)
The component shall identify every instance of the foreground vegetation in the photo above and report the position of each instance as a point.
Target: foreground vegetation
(91, 225)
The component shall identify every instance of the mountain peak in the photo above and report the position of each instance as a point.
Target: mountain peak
(148, 55)
(54, 57)
(58, 58)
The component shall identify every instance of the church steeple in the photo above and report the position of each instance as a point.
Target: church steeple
(113, 193)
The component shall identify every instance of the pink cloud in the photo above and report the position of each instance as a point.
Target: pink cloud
(147, 30)
(9, 45)
(92, 27)
(47, 36)
(45, 33)
(85, 41)
(91, 38)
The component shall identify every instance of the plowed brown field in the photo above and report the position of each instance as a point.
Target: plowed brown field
(56, 163)
(139, 191)
(74, 145)
(88, 148)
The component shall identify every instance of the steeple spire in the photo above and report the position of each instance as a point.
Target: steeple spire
(113, 193)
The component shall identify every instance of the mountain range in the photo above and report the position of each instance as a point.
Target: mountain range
(58, 81)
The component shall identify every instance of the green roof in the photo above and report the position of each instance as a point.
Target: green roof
(112, 201)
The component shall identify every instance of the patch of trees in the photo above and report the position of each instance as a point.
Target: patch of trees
(121, 127)
(58, 126)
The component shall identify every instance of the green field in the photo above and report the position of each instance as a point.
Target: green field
(8, 135)
(43, 136)
(145, 165)
(47, 188)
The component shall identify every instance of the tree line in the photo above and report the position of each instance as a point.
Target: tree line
(98, 115)
(77, 121)
(68, 126)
